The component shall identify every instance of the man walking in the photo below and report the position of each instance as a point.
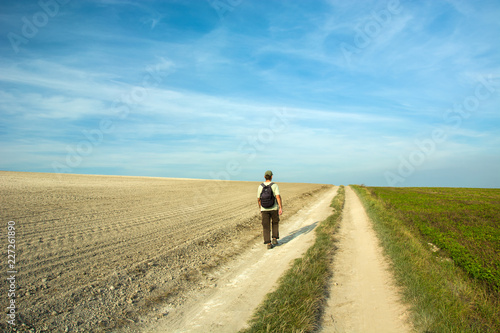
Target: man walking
(269, 200)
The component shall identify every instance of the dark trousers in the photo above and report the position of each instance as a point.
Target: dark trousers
(267, 217)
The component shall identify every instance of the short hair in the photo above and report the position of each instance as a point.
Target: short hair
(268, 177)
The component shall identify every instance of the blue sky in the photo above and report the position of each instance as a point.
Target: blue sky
(384, 93)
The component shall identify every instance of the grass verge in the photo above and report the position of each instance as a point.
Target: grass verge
(442, 296)
(297, 303)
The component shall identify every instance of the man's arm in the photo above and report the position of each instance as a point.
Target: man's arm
(278, 198)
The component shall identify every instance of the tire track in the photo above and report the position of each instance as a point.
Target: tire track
(363, 296)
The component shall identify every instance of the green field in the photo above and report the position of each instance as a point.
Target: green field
(462, 222)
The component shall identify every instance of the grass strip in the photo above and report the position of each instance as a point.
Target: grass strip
(297, 303)
(443, 298)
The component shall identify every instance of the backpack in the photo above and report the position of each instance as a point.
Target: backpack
(267, 196)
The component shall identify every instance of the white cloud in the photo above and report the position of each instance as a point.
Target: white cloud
(35, 105)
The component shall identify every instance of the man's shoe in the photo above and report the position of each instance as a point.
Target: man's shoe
(269, 246)
(274, 241)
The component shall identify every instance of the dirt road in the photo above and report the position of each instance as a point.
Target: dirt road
(363, 297)
(242, 285)
(101, 253)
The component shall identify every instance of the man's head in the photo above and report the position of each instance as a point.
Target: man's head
(268, 175)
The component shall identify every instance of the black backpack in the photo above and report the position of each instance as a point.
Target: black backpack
(267, 196)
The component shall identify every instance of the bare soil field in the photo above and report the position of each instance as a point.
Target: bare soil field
(100, 253)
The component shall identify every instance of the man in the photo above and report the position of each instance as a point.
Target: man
(271, 213)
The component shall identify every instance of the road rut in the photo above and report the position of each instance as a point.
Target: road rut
(363, 295)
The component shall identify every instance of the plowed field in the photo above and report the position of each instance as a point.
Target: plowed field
(95, 253)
